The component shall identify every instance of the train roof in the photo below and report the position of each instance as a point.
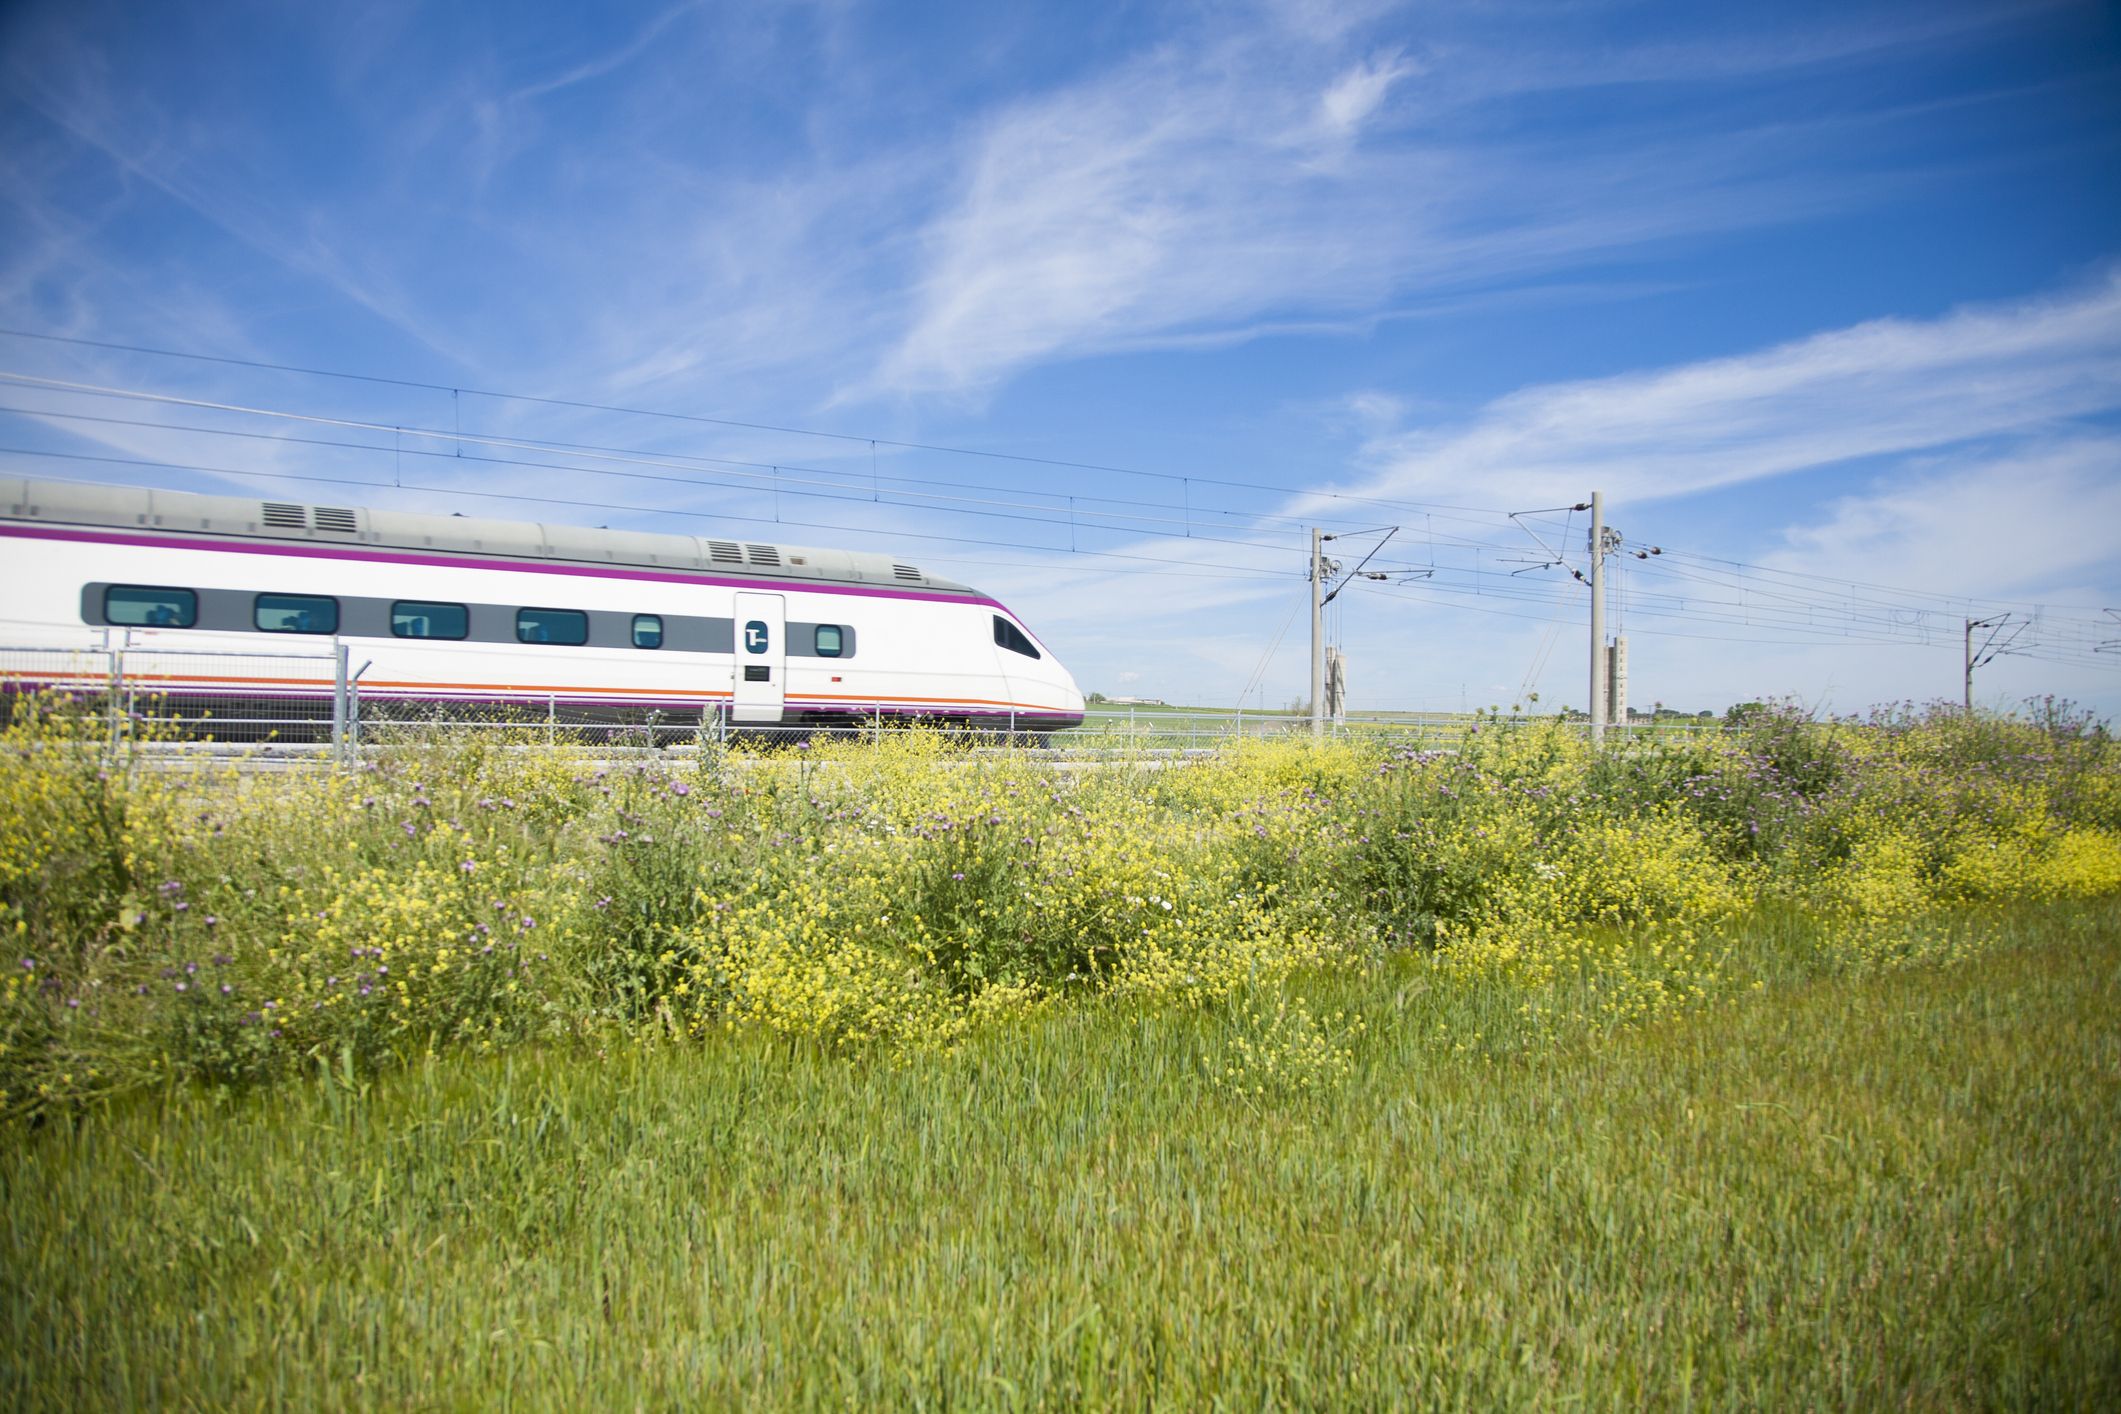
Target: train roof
(130, 507)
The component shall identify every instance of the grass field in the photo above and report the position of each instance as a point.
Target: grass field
(1770, 1066)
(1845, 1187)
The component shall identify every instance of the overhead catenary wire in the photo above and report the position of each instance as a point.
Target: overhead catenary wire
(761, 475)
(1187, 567)
(1787, 630)
(456, 392)
(1683, 587)
(1259, 674)
(1743, 623)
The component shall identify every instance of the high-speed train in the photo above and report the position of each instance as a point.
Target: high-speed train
(601, 625)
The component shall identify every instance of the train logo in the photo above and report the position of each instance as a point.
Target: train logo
(755, 636)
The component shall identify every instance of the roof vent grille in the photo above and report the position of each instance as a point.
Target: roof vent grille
(906, 572)
(282, 516)
(724, 553)
(764, 555)
(335, 518)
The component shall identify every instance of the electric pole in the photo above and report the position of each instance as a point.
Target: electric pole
(1318, 633)
(1969, 661)
(1597, 617)
(1323, 569)
(1972, 657)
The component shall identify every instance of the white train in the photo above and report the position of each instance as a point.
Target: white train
(603, 625)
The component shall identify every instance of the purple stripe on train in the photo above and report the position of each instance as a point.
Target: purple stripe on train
(542, 699)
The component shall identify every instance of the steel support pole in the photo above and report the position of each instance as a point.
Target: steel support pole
(1969, 660)
(1318, 634)
(1597, 617)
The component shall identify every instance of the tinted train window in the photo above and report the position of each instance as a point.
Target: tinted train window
(140, 606)
(828, 640)
(295, 613)
(410, 619)
(648, 630)
(568, 626)
(1008, 635)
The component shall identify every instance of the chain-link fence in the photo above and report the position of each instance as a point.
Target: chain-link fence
(1179, 731)
(181, 695)
(385, 717)
(315, 704)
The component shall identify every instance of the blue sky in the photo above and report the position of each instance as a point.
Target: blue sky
(1099, 307)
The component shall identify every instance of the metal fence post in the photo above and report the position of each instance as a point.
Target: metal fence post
(353, 709)
(338, 702)
(117, 683)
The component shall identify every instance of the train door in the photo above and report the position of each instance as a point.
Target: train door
(760, 684)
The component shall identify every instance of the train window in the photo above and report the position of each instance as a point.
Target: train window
(412, 619)
(568, 626)
(143, 606)
(295, 613)
(828, 640)
(648, 630)
(1008, 635)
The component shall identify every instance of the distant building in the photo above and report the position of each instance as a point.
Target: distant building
(1136, 702)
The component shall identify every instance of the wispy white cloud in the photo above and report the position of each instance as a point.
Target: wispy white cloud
(1351, 99)
(147, 147)
(606, 64)
(1246, 181)
(2036, 520)
(1889, 387)
(1292, 168)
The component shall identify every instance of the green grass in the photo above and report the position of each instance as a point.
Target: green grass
(1848, 1188)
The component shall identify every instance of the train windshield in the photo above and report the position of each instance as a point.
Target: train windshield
(1008, 635)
